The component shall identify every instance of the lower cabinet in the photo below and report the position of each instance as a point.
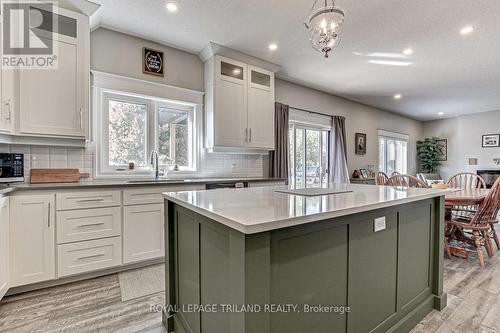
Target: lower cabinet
(32, 239)
(83, 257)
(4, 246)
(143, 232)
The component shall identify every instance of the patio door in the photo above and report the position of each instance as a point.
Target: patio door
(308, 155)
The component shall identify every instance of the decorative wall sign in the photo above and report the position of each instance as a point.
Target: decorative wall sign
(360, 144)
(442, 147)
(491, 140)
(152, 62)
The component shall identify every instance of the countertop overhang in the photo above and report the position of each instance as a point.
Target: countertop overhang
(254, 210)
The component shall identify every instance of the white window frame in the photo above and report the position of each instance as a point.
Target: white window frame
(388, 135)
(103, 170)
(294, 125)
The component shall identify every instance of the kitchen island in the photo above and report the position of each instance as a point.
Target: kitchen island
(363, 259)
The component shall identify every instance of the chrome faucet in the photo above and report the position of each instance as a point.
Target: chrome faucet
(154, 163)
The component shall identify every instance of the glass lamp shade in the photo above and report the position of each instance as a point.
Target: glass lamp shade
(325, 27)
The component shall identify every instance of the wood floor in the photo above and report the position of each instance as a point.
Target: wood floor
(96, 305)
(473, 298)
(89, 306)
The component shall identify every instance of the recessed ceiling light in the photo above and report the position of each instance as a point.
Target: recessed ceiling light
(390, 63)
(171, 7)
(441, 113)
(273, 47)
(408, 51)
(398, 96)
(467, 30)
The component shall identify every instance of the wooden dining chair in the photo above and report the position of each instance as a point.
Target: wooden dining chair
(467, 180)
(482, 226)
(381, 178)
(406, 181)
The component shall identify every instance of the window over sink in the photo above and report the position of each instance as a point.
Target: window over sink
(132, 126)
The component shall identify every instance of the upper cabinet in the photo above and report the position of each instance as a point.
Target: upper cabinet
(55, 102)
(239, 105)
(48, 103)
(6, 121)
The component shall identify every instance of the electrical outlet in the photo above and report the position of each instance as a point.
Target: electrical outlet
(379, 224)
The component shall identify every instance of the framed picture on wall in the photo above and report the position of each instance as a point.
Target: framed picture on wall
(491, 140)
(152, 62)
(442, 147)
(360, 141)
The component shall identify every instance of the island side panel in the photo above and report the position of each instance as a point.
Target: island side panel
(309, 266)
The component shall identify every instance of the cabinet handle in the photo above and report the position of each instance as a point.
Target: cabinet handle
(92, 256)
(48, 215)
(90, 200)
(90, 225)
(250, 134)
(9, 104)
(246, 134)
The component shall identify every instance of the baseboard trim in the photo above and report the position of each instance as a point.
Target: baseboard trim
(81, 277)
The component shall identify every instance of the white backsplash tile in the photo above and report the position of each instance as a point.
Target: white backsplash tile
(212, 164)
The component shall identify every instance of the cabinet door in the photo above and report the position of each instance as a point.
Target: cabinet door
(54, 101)
(4, 246)
(5, 102)
(143, 233)
(230, 123)
(32, 239)
(260, 108)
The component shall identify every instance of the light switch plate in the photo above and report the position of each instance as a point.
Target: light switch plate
(379, 224)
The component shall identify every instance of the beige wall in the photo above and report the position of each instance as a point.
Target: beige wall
(464, 136)
(121, 54)
(359, 118)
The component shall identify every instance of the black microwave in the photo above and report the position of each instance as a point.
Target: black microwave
(11, 168)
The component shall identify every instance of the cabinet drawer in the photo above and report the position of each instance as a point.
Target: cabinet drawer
(152, 194)
(88, 224)
(87, 199)
(82, 257)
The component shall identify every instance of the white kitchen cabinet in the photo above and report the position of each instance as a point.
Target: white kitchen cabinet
(260, 108)
(5, 96)
(239, 105)
(4, 246)
(55, 102)
(32, 239)
(83, 257)
(230, 103)
(143, 233)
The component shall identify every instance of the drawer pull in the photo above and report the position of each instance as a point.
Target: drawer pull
(90, 225)
(91, 257)
(90, 200)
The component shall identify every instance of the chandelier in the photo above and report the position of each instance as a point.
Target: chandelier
(325, 26)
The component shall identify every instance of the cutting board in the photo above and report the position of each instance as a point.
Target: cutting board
(43, 176)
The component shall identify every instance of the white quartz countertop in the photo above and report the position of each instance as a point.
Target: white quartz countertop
(253, 210)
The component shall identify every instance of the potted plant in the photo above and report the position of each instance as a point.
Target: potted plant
(428, 155)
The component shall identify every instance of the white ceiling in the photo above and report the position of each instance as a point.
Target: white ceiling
(450, 73)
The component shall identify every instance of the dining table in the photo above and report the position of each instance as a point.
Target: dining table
(465, 197)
